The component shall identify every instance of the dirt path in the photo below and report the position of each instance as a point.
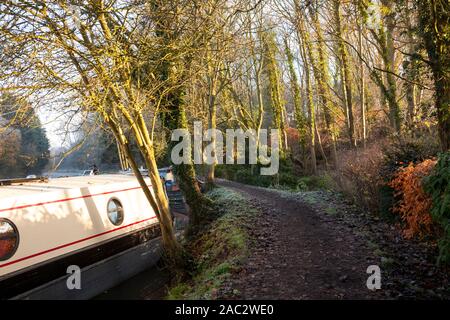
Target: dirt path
(299, 254)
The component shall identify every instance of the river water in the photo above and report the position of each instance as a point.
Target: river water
(148, 285)
(63, 173)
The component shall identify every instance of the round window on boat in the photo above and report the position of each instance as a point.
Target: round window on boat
(9, 239)
(115, 211)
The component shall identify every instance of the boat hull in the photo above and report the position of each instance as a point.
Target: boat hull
(100, 276)
(38, 275)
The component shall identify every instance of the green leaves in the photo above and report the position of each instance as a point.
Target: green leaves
(437, 185)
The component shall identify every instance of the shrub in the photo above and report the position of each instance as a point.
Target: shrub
(319, 182)
(387, 202)
(437, 185)
(287, 179)
(401, 152)
(244, 176)
(220, 172)
(358, 176)
(301, 186)
(263, 181)
(414, 204)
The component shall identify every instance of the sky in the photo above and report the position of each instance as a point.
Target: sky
(51, 128)
(56, 126)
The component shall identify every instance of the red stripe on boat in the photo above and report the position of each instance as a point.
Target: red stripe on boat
(72, 243)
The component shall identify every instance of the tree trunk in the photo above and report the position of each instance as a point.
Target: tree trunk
(442, 87)
(435, 20)
(345, 74)
(212, 125)
(260, 103)
(362, 85)
(309, 99)
(300, 120)
(389, 62)
(175, 118)
(384, 38)
(172, 73)
(321, 73)
(275, 88)
(319, 142)
(411, 71)
(212, 94)
(158, 200)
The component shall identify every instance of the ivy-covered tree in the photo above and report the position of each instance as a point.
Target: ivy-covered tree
(435, 31)
(275, 88)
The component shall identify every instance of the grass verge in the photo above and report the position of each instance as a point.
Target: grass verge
(220, 249)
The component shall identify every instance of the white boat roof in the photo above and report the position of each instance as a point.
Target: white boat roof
(55, 184)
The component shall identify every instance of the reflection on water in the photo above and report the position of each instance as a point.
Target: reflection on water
(148, 285)
(60, 173)
(63, 173)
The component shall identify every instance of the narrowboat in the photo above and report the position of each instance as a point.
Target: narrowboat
(101, 224)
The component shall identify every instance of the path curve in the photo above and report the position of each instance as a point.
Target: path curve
(298, 253)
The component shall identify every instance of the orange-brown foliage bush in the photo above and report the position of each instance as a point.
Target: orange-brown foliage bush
(414, 205)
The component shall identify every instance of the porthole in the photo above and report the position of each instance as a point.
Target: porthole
(9, 239)
(115, 211)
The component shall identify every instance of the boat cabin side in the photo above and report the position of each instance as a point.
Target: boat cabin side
(42, 221)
